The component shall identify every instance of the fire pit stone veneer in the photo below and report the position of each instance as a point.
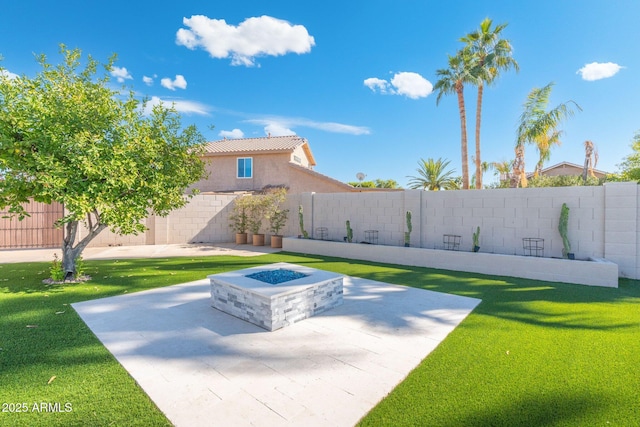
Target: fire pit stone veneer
(273, 306)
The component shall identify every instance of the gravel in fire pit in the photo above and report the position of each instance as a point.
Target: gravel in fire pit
(275, 277)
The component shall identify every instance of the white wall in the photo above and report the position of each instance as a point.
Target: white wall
(603, 221)
(202, 220)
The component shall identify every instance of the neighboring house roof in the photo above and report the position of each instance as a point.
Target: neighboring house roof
(315, 174)
(572, 167)
(268, 144)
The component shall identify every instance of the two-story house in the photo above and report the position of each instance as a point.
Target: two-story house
(250, 164)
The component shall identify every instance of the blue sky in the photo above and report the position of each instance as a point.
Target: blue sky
(353, 77)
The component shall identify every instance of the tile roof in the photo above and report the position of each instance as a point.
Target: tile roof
(252, 145)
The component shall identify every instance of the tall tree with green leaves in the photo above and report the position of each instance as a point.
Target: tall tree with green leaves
(539, 127)
(378, 183)
(65, 136)
(503, 170)
(452, 80)
(387, 183)
(492, 54)
(433, 175)
(544, 143)
(630, 166)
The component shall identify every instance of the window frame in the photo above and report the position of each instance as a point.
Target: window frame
(244, 168)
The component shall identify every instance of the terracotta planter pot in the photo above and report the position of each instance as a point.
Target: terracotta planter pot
(241, 238)
(258, 239)
(276, 241)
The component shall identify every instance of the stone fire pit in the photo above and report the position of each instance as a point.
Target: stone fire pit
(297, 292)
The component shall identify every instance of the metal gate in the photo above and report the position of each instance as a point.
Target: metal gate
(34, 231)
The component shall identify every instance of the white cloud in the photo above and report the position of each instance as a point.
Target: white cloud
(147, 80)
(121, 74)
(187, 107)
(8, 74)
(411, 85)
(257, 36)
(278, 129)
(599, 70)
(179, 82)
(280, 126)
(376, 84)
(232, 134)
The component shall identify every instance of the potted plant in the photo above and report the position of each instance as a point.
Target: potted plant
(563, 227)
(256, 214)
(238, 219)
(407, 234)
(476, 240)
(276, 216)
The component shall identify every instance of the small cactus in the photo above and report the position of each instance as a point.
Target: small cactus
(349, 232)
(476, 238)
(407, 234)
(301, 218)
(563, 227)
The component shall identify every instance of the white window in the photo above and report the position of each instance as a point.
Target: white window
(297, 159)
(245, 167)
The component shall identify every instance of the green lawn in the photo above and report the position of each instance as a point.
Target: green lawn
(531, 354)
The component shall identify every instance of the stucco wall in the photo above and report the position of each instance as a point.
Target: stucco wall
(268, 169)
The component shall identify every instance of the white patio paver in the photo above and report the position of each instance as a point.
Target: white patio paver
(204, 367)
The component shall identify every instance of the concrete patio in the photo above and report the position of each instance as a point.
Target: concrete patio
(204, 367)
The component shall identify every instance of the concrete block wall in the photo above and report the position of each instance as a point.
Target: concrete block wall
(622, 227)
(506, 216)
(203, 220)
(603, 221)
(381, 211)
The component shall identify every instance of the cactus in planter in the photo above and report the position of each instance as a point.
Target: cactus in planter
(407, 234)
(476, 240)
(301, 218)
(563, 226)
(349, 232)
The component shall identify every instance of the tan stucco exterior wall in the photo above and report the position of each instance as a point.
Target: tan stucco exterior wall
(268, 169)
(299, 157)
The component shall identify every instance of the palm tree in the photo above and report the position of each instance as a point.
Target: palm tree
(544, 144)
(387, 183)
(484, 167)
(538, 126)
(452, 80)
(492, 54)
(590, 160)
(432, 176)
(503, 170)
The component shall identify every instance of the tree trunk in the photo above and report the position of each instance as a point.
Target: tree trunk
(538, 168)
(518, 169)
(478, 122)
(463, 136)
(69, 252)
(586, 168)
